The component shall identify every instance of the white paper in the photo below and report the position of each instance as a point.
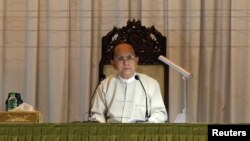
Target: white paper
(24, 107)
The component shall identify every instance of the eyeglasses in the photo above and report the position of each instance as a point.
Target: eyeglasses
(122, 59)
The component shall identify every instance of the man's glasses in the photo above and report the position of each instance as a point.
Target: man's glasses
(122, 59)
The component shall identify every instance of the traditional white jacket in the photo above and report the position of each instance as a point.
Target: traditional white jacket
(124, 100)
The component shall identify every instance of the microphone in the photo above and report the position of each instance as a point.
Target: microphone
(102, 77)
(146, 114)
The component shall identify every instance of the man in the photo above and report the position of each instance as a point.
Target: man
(122, 98)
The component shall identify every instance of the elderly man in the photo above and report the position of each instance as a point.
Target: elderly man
(128, 96)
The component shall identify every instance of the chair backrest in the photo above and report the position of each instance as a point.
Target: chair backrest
(149, 43)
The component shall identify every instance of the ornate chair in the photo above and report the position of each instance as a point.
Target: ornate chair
(149, 44)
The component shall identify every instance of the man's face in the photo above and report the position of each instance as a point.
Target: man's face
(125, 61)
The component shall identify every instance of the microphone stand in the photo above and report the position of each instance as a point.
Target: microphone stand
(90, 103)
(102, 77)
(146, 114)
(181, 117)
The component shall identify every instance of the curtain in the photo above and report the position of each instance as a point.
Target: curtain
(50, 50)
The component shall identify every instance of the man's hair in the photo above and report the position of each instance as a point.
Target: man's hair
(121, 42)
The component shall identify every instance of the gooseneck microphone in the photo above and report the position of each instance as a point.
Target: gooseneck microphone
(102, 77)
(146, 114)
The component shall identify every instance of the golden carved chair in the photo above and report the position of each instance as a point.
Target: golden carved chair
(149, 43)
